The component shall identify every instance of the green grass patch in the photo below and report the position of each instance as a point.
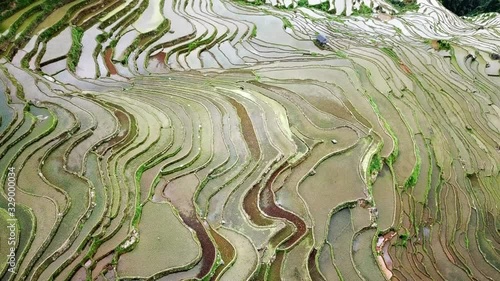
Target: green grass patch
(325, 6)
(254, 32)
(286, 23)
(101, 38)
(257, 76)
(254, 3)
(391, 53)
(412, 180)
(49, 6)
(283, 7)
(76, 48)
(193, 45)
(335, 19)
(395, 152)
(113, 43)
(303, 3)
(362, 11)
(375, 164)
(404, 6)
(403, 239)
(444, 45)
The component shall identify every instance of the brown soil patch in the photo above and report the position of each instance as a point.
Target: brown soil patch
(247, 129)
(107, 60)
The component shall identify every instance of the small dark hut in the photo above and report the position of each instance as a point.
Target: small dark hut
(321, 39)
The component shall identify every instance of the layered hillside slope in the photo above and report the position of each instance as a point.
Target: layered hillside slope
(233, 140)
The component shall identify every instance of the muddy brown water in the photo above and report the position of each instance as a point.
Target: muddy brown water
(247, 129)
(275, 271)
(124, 123)
(282, 235)
(108, 54)
(250, 202)
(313, 269)
(226, 249)
(207, 246)
(250, 205)
(268, 205)
(179, 192)
(160, 57)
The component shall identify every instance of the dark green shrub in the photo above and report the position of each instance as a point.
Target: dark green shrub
(303, 3)
(405, 5)
(444, 45)
(101, 37)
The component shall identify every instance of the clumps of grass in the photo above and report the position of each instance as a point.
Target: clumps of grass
(200, 42)
(257, 76)
(283, 7)
(101, 38)
(444, 45)
(325, 6)
(76, 47)
(193, 45)
(254, 3)
(49, 6)
(254, 32)
(403, 239)
(303, 3)
(286, 23)
(113, 43)
(362, 11)
(391, 53)
(392, 158)
(375, 164)
(137, 215)
(412, 180)
(365, 10)
(394, 154)
(335, 18)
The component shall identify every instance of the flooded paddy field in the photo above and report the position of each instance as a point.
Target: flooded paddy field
(260, 140)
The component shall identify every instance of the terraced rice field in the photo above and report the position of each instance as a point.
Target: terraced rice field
(219, 140)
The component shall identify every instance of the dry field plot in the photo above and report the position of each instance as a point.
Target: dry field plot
(234, 140)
